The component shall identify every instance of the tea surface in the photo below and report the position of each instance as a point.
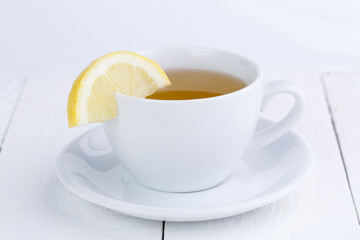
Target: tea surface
(194, 84)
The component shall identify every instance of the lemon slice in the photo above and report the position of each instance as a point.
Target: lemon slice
(92, 97)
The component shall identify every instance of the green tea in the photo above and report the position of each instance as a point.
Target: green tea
(194, 84)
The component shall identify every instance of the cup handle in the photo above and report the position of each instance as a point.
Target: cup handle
(270, 134)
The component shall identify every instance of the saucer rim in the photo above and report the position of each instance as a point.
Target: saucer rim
(183, 214)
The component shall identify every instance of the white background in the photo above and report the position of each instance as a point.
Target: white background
(62, 37)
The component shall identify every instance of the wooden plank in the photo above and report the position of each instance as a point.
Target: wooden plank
(344, 98)
(34, 204)
(10, 91)
(321, 208)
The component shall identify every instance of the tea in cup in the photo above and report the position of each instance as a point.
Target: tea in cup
(191, 135)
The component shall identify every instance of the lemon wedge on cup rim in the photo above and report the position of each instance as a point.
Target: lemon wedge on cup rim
(92, 97)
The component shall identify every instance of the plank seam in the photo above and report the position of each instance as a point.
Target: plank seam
(23, 83)
(338, 141)
(163, 231)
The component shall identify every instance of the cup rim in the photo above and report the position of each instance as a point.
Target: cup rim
(244, 90)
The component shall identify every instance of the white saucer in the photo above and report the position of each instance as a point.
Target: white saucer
(88, 167)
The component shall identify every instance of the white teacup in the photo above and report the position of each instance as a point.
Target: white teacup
(191, 145)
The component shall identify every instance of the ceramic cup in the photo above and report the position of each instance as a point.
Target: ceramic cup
(192, 145)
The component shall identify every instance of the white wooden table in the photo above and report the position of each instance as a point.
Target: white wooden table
(34, 204)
